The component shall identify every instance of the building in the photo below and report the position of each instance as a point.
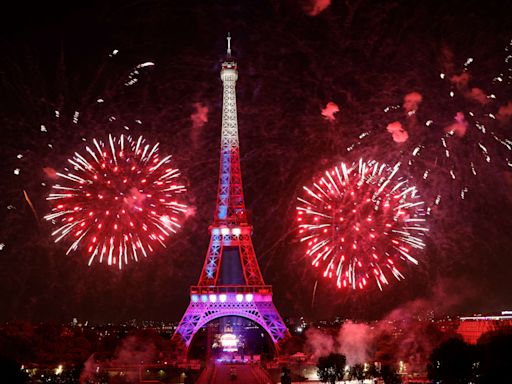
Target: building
(471, 328)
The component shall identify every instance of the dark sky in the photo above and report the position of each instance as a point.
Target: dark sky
(362, 55)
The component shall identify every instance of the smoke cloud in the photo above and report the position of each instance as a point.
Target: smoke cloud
(330, 109)
(200, 116)
(478, 95)
(315, 7)
(446, 58)
(399, 134)
(460, 126)
(355, 341)
(404, 334)
(133, 350)
(412, 102)
(50, 172)
(460, 81)
(505, 112)
(319, 344)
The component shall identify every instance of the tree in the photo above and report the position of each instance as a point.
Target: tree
(495, 357)
(453, 361)
(389, 375)
(331, 367)
(372, 372)
(11, 371)
(357, 372)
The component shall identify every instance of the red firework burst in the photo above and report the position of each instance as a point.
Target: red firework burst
(361, 222)
(117, 200)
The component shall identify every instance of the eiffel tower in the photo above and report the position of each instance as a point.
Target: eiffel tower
(231, 283)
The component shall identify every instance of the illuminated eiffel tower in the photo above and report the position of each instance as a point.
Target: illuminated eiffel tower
(221, 291)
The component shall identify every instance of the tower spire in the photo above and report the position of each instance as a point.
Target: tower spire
(230, 208)
(228, 52)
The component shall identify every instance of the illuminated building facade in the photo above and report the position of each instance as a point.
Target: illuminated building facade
(472, 327)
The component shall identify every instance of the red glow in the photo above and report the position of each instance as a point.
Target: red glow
(104, 196)
(348, 227)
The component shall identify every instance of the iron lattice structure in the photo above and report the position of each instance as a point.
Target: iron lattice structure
(230, 229)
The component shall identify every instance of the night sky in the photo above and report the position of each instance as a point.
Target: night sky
(293, 59)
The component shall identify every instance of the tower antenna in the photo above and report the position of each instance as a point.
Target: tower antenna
(229, 46)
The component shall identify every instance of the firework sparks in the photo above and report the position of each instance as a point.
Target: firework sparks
(361, 222)
(118, 201)
(451, 152)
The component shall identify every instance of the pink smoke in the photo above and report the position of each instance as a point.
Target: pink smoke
(200, 116)
(355, 342)
(399, 134)
(319, 343)
(446, 59)
(478, 95)
(133, 350)
(412, 102)
(460, 81)
(474, 94)
(315, 7)
(460, 126)
(400, 335)
(505, 112)
(330, 109)
(50, 172)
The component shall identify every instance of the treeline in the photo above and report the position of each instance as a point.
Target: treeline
(451, 362)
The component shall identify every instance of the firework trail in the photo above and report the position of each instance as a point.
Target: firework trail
(314, 294)
(119, 199)
(361, 222)
(29, 202)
